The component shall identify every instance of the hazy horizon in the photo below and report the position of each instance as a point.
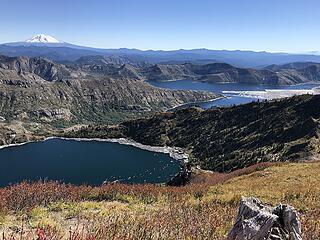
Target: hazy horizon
(288, 26)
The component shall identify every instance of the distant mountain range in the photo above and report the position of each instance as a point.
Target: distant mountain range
(117, 67)
(120, 67)
(293, 73)
(46, 46)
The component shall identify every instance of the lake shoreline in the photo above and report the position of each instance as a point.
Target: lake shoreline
(230, 94)
(195, 103)
(22, 143)
(258, 84)
(175, 153)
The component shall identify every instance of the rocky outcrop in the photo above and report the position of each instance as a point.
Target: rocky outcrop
(114, 71)
(160, 72)
(32, 68)
(183, 177)
(53, 114)
(256, 221)
(110, 60)
(16, 133)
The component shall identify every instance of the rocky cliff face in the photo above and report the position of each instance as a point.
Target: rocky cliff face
(113, 59)
(39, 90)
(34, 68)
(168, 72)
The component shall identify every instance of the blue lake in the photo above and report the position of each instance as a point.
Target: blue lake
(230, 99)
(84, 162)
(95, 162)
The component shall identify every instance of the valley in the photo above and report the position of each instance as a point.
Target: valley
(40, 98)
(159, 120)
(99, 133)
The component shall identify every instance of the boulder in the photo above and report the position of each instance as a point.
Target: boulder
(256, 221)
(182, 178)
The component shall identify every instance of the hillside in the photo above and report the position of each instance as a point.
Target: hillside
(302, 70)
(124, 67)
(114, 211)
(225, 139)
(293, 73)
(292, 65)
(222, 72)
(37, 89)
(103, 60)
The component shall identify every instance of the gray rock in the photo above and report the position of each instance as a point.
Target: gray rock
(53, 114)
(256, 221)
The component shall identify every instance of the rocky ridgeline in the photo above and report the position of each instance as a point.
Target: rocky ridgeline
(34, 68)
(256, 221)
(40, 90)
(116, 67)
(214, 72)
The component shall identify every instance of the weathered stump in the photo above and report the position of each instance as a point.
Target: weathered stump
(256, 221)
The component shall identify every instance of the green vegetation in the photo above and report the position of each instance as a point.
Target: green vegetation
(226, 139)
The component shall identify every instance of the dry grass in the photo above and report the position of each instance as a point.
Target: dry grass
(198, 211)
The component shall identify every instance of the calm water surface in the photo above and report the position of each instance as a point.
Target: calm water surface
(231, 99)
(90, 162)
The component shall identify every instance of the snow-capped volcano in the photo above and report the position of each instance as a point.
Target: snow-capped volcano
(43, 38)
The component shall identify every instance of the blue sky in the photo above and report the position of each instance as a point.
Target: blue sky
(270, 25)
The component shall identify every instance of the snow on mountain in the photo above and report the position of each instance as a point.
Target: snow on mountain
(43, 38)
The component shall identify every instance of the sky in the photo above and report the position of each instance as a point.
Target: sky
(258, 25)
